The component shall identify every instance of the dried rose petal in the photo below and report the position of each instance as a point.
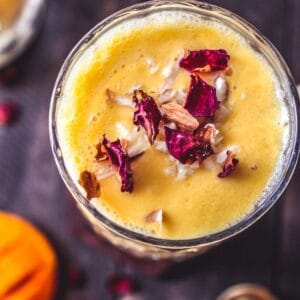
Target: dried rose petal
(186, 147)
(229, 164)
(205, 60)
(147, 114)
(120, 285)
(90, 183)
(120, 161)
(201, 99)
(8, 113)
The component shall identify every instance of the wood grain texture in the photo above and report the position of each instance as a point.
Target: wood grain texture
(267, 253)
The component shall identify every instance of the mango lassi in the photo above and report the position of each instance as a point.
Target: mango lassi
(172, 197)
(9, 11)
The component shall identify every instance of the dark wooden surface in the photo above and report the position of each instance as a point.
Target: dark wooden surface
(268, 253)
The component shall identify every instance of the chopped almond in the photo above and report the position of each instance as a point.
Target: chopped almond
(90, 183)
(155, 216)
(180, 116)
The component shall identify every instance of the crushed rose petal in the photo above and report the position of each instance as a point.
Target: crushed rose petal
(155, 216)
(90, 183)
(186, 147)
(147, 114)
(201, 100)
(8, 113)
(206, 60)
(229, 164)
(120, 161)
(120, 285)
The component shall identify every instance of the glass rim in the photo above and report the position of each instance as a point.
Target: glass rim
(232, 230)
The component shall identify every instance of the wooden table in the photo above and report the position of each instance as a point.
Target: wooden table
(268, 253)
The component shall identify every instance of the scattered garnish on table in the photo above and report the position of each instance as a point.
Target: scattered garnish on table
(8, 113)
(120, 285)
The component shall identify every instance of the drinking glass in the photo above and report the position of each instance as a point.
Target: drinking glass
(143, 245)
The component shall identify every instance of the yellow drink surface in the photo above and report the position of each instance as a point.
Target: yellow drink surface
(9, 11)
(202, 203)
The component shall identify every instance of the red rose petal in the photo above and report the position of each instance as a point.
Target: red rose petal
(229, 164)
(8, 113)
(186, 147)
(205, 60)
(201, 99)
(147, 114)
(120, 285)
(120, 160)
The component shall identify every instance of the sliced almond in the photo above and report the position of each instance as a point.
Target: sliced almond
(155, 216)
(177, 114)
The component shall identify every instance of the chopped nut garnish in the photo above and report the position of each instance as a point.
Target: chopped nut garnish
(121, 100)
(221, 89)
(89, 182)
(208, 133)
(155, 217)
(180, 116)
(229, 165)
(104, 170)
(101, 155)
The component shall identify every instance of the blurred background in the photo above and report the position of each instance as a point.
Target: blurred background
(267, 253)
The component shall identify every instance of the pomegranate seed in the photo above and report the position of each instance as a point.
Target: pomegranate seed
(76, 278)
(120, 285)
(8, 113)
